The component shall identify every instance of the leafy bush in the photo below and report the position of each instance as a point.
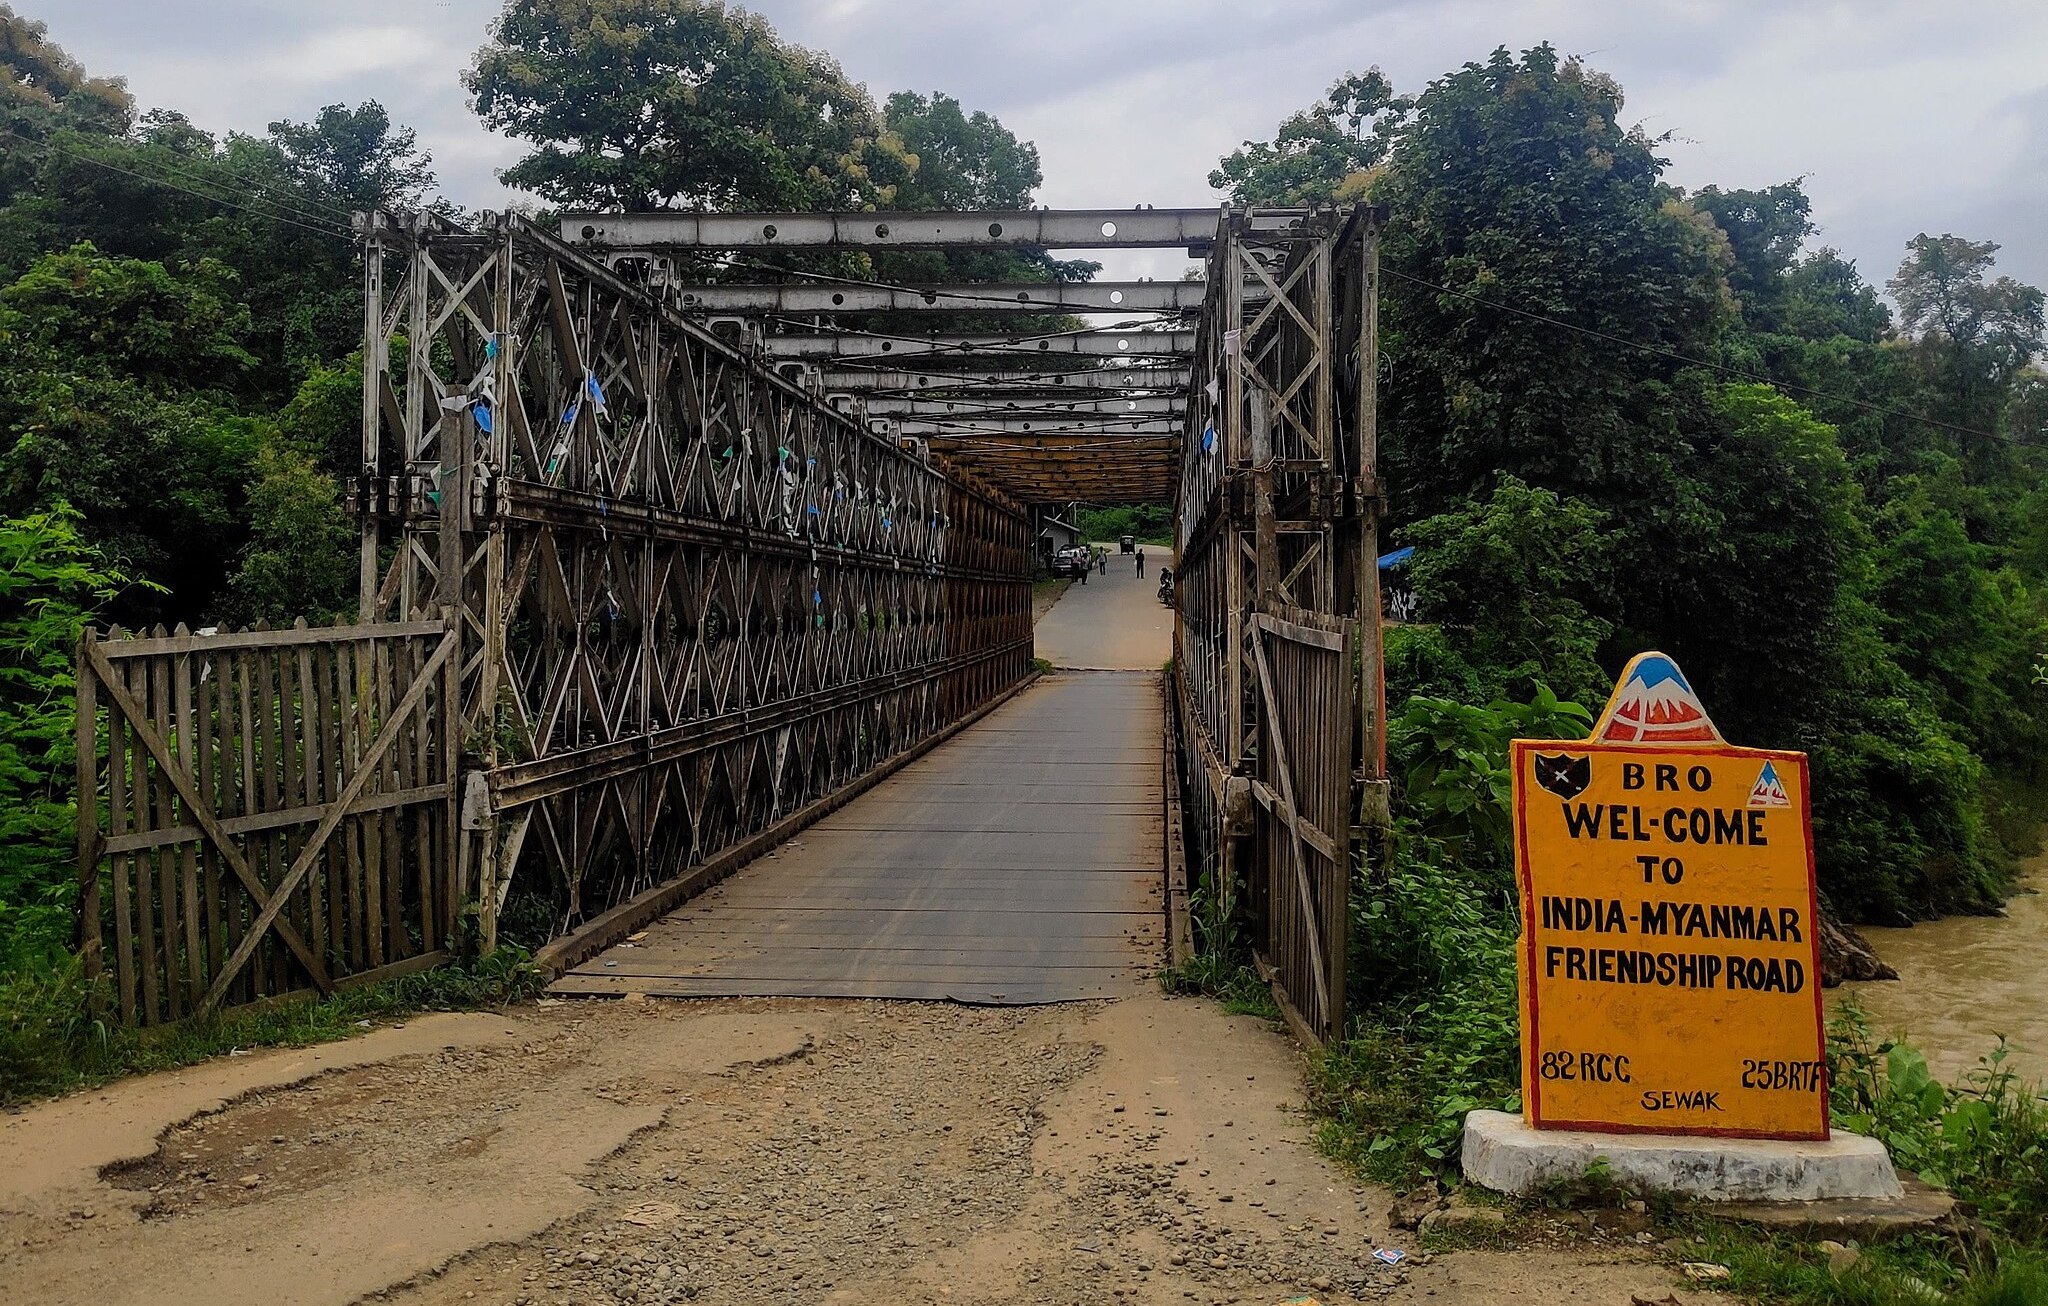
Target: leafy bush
(1453, 759)
(1516, 574)
(1437, 1034)
(50, 578)
(1986, 1138)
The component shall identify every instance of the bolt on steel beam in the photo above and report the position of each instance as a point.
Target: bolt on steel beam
(979, 382)
(1111, 344)
(1054, 297)
(1086, 423)
(1010, 405)
(1143, 228)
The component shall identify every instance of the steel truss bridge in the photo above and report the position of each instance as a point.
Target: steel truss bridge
(671, 541)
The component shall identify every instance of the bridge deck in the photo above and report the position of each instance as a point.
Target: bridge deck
(1018, 863)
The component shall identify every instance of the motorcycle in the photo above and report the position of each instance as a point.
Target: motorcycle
(1166, 586)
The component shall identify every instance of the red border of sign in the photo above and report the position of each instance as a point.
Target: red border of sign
(1532, 1086)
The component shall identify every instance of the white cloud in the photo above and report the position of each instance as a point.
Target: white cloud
(1904, 115)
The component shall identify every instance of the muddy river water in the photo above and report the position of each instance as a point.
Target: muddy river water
(1966, 980)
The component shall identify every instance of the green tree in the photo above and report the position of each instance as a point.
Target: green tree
(1517, 574)
(43, 86)
(1514, 184)
(1829, 298)
(300, 560)
(1976, 334)
(1765, 229)
(133, 318)
(1327, 152)
(51, 580)
(101, 406)
(1752, 561)
(962, 160)
(357, 158)
(651, 104)
(176, 195)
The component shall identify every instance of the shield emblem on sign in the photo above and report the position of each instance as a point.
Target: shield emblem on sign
(1564, 775)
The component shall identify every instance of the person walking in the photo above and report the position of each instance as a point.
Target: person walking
(1102, 561)
(1141, 562)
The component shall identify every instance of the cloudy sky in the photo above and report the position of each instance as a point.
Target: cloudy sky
(1903, 115)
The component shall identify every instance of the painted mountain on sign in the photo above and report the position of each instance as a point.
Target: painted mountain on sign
(1654, 704)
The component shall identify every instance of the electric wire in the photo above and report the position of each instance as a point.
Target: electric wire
(242, 205)
(1790, 387)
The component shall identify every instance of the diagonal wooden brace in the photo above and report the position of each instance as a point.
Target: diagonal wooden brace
(366, 769)
(202, 816)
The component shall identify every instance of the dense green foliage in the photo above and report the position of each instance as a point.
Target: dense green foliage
(644, 104)
(1151, 523)
(1849, 563)
(50, 579)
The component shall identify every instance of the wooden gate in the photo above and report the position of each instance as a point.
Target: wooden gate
(276, 811)
(1302, 786)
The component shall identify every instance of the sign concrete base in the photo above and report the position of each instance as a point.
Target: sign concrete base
(1503, 1153)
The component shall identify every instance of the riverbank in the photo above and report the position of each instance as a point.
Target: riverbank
(1966, 980)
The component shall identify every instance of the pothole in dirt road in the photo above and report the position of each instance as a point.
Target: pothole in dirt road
(325, 1131)
(901, 1137)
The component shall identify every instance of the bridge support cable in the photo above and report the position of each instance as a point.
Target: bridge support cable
(1277, 651)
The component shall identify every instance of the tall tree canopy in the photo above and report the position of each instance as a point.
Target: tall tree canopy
(1326, 152)
(42, 86)
(1843, 578)
(653, 104)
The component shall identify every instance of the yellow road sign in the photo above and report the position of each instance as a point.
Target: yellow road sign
(1670, 964)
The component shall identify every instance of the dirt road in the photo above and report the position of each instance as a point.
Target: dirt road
(1113, 623)
(1146, 1151)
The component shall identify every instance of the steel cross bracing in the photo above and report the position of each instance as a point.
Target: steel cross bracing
(708, 264)
(693, 597)
(964, 381)
(1277, 643)
(987, 405)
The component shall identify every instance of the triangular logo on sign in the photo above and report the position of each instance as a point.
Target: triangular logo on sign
(1769, 790)
(1653, 703)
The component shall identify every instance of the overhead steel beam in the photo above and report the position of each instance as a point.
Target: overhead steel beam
(1192, 229)
(998, 424)
(1032, 449)
(1051, 297)
(838, 380)
(1011, 406)
(1108, 344)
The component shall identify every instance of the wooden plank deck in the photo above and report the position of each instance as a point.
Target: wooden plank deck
(1019, 863)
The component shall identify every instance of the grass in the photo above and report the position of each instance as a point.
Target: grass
(1920, 1270)
(50, 1044)
(1231, 982)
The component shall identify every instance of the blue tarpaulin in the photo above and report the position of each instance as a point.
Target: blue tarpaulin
(1388, 561)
